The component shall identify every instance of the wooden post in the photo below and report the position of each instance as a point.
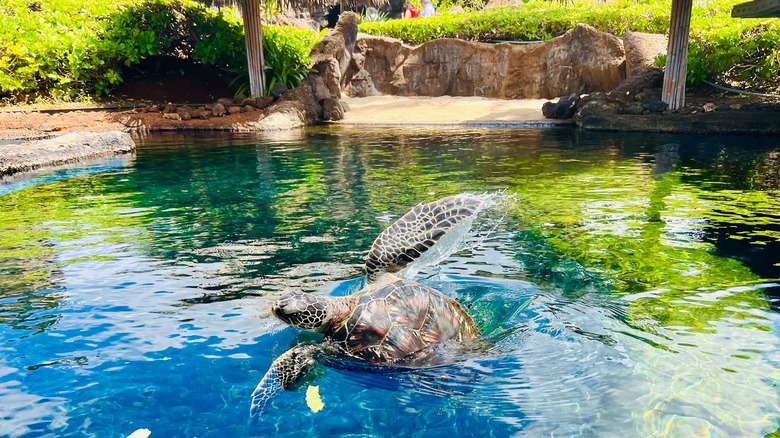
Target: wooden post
(253, 35)
(673, 92)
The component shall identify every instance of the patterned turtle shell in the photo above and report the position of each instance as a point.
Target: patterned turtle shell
(398, 322)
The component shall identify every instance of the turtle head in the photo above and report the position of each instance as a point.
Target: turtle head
(306, 311)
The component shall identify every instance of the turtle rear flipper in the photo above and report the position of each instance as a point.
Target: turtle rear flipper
(417, 231)
(284, 372)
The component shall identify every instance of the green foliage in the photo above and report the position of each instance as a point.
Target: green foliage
(286, 51)
(174, 28)
(69, 51)
(54, 47)
(286, 55)
(743, 51)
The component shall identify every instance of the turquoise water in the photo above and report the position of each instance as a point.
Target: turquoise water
(632, 290)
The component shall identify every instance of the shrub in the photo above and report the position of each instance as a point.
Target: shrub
(286, 51)
(53, 47)
(741, 53)
(70, 52)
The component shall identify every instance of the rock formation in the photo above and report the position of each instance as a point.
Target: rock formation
(331, 59)
(582, 60)
(65, 149)
(642, 49)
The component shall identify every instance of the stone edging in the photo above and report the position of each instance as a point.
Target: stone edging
(68, 148)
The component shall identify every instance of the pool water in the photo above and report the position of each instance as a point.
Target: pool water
(631, 290)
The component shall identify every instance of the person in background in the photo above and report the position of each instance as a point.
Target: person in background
(410, 11)
(428, 9)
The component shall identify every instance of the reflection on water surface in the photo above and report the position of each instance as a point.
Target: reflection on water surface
(632, 290)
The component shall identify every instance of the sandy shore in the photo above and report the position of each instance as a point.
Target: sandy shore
(444, 110)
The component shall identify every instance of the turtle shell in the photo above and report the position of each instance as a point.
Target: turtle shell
(395, 322)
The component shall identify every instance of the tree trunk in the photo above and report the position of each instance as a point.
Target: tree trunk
(673, 92)
(253, 34)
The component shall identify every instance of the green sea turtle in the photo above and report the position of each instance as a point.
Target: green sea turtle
(392, 321)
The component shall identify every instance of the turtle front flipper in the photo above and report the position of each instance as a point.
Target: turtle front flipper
(417, 231)
(284, 372)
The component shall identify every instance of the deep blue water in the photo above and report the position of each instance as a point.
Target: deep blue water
(631, 290)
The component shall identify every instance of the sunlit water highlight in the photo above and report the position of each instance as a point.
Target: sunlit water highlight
(631, 290)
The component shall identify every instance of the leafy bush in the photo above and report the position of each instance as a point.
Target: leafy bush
(70, 51)
(286, 55)
(743, 51)
(174, 28)
(53, 47)
(286, 51)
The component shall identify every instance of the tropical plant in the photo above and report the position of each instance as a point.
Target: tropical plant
(286, 53)
(372, 15)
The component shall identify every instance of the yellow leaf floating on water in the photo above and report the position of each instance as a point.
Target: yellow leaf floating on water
(313, 399)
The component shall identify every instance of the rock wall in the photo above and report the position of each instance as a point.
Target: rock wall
(65, 149)
(582, 60)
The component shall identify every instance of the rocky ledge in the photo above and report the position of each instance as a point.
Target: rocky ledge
(649, 114)
(65, 149)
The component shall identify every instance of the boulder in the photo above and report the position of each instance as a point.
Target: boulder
(218, 110)
(642, 49)
(278, 89)
(654, 105)
(332, 109)
(642, 80)
(563, 109)
(200, 113)
(169, 108)
(258, 102)
(597, 111)
(361, 85)
(295, 109)
(331, 56)
(184, 112)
